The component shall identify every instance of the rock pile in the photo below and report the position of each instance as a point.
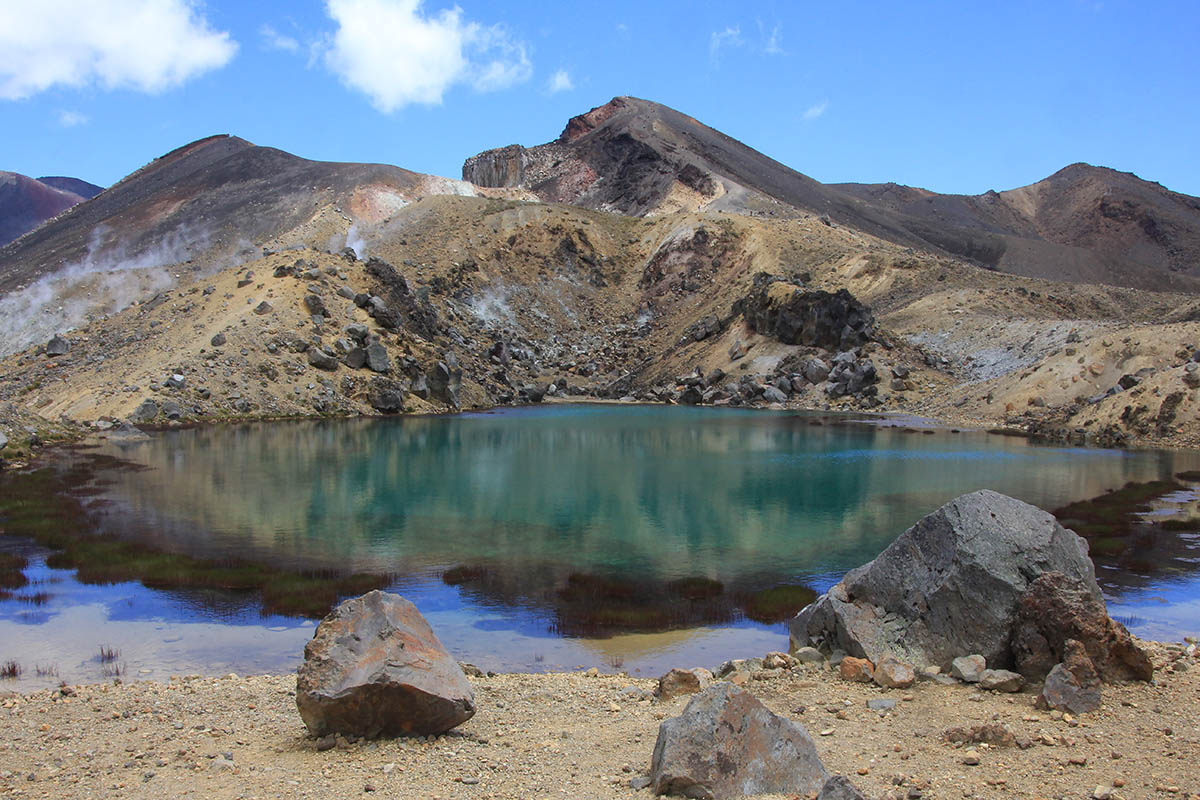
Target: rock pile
(795, 315)
(985, 574)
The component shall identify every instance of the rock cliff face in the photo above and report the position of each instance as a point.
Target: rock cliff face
(503, 167)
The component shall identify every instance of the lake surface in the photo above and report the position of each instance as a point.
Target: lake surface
(624, 537)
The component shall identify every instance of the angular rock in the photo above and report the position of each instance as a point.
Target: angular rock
(320, 359)
(839, 787)
(445, 382)
(794, 315)
(773, 395)
(808, 655)
(892, 673)
(315, 305)
(420, 386)
(377, 358)
(145, 412)
(356, 358)
(856, 669)
(948, 585)
(3, 440)
(263, 308)
(1055, 608)
(1072, 685)
(727, 744)
(374, 667)
(968, 669)
(816, 371)
(218, 340)
(679, 682)
(386, 396)
(1001, 680)
(58, 345)
(777, 660)
(357, 331)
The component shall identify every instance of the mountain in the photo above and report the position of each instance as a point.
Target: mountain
(1085, 224)
(26, 203)
(80, 187)
(212, 199)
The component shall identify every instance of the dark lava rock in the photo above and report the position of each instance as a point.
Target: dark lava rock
(404, 308)
(377, 358)
(315, 305)
(839, 787)
(773, 395)
(420, 386)
(691, 396)
(445, 381)
(263, 308)
(321, 359)
(218, 340)
(357, 357)
(145, 412)
(58, 345)
(948, 586)
(794, 315)
(386, 395)
(357, 331)
(374, 666)
(1072, 685)
(727, 744)
(1055, 609)
(171, 410)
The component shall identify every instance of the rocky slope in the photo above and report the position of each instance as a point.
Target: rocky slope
(1083, 223)
(216, 282)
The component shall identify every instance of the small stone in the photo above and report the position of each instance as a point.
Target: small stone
(808, 655)
(1001, 680)
(891, 673)
(971, 758)
(881, 704)
(263, 308)
(639, 783)
(968, 669)
(856, 669)
(218, 340)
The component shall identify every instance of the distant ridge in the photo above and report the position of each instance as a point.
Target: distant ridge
(25, 203)
(1083, 223)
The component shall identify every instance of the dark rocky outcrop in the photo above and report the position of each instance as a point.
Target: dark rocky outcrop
(814, 318)
(374, 667)
(1056, 609)
(399, 306)
(728, 744)
(948, 586)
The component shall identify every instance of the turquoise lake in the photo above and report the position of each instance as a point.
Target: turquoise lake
(624, 537)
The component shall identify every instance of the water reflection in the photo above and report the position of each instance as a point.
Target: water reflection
(578, 521)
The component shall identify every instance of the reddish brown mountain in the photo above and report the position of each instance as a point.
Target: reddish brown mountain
(26, 203)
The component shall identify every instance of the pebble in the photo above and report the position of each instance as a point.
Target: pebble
(971, 758)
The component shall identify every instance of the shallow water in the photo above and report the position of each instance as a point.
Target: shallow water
(546, 537)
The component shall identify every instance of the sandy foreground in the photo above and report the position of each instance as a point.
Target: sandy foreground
(587, 735)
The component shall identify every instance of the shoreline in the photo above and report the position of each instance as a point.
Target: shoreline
(586, 734)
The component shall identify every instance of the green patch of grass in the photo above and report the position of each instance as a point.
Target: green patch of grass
(50, 506)
(1186, 524)
(777, 604)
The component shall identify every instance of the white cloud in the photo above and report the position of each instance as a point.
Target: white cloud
(560, 81)
(812, 112)
(729, 37)
(70, 119)
(146, 45)
(275, 40)
(396, 54)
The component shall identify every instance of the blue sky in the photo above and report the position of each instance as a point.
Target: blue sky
(952, 96)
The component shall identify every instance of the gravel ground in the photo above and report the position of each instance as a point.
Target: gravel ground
(587, 735)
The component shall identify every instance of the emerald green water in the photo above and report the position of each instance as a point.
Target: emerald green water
(534, 537)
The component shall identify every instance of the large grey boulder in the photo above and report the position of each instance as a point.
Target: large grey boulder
(948, 586)
(374, 666)
(728, 744)
(58, 345)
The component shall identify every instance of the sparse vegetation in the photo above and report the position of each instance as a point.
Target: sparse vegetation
(46, 670)
(108, 654)
(10, 670)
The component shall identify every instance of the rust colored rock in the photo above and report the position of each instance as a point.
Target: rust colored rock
(1056, 608)
(727, 744)
(856, 669)
(892, 673)
(374, 667)
(679, 682)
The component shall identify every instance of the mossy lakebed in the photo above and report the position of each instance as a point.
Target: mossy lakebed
(538, 538)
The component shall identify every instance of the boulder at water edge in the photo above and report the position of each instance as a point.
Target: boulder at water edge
(948, 586)
(728, 744)
(375, 667)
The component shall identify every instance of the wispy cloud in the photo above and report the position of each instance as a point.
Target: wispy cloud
(730, 37)
(814, 111)
(774, 45)
(396, 54)
(145, 45)
(72, 119)
(560, 81)
(274, 40)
